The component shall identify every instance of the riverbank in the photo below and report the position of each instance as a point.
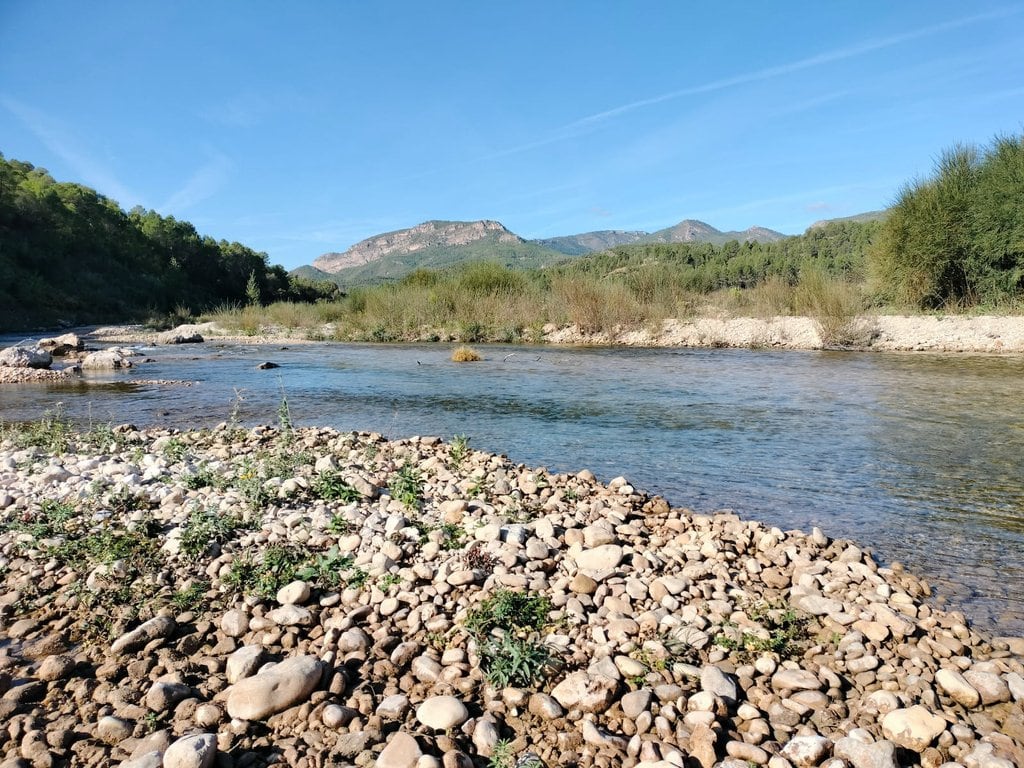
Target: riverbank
(881, 333)
(429, 604)
(888, 333)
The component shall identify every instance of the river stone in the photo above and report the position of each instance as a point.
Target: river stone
(881, 754)
(442, 712)
(152, 759)
(579, 690)
(294, 593)
(796, 680)
(401, 751)
(914, 728)
(198, 751)
(55, 667)
(713, 680)
(25, 357)
(817, 604)
(244, 662)
(183, 334)
(394, 707)
(636, 702)
(234, 623)
(163, 697)
(158, 626)
(990, 687)
(106, 359)
(957, 687)
(806, 751)
(290, 615)
(602, 558)
(113, 730)
(1015, 684)
(274, 689)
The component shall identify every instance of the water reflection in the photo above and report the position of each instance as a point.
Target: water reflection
(918, 457)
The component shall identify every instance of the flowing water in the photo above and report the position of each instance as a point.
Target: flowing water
(919, 457)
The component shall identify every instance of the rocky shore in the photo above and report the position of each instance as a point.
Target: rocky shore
(309, 598)
(880, 333)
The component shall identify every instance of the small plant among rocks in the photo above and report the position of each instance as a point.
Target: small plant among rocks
(503, 755)
(52, 432)
(203, 477)
(784, 632)
(204, 528)
(407, 486)
(265, 572)
(459, 450)
(506, 628)
(330, 486)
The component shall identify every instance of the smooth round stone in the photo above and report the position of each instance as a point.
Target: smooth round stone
(113, 730)
(207, 715)
(914, 728)
(197, 751)
(276, 689)
(442, 713)
(234, 623)
(294, 593)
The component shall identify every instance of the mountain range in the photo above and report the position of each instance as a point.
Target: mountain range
(438, 244)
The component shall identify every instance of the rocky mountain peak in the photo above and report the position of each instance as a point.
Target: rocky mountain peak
(409, 241)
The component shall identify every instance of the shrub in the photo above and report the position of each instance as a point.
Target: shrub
(957, 238)
(465, 354)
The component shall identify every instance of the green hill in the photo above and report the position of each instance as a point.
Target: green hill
(69, 255)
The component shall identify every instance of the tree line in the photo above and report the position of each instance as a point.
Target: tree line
(71, 255)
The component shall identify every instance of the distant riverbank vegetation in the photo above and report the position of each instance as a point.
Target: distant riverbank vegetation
(69, 255)
(951, 242)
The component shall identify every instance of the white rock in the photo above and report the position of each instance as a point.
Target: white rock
(294, 593)
(579, 690)
(197, 751)
(402, 751)
(244, 662)
(914, 728)
(957, 688)
(442, 712)
(602, 558)
(274, 689)
(714, 680)
(291, 616)
(158, 626)
(234, 623)
(806, 751)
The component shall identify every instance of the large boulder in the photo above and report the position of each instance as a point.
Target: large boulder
(106, 359)
(183, 334)
(25, 357)
(62, 345)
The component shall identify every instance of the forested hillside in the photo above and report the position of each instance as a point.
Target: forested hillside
(70, 255)
(838, 249)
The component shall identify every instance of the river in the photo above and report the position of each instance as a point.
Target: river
(919, 457)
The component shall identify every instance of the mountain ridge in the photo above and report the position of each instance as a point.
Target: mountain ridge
(439, 243)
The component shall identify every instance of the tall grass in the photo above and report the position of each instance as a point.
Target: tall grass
(490, 303)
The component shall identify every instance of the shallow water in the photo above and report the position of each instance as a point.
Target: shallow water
(919, 457)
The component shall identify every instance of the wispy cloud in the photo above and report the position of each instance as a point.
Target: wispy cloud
(201, 185)
(65, 145)
(768, 73)
(243, 110)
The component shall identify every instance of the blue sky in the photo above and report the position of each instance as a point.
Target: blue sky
(300, 128)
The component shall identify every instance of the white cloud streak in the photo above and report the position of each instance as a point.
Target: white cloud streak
(201, 185)
(769, 73)
(64, 145)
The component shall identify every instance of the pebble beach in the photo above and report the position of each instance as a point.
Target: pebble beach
(305, 597)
